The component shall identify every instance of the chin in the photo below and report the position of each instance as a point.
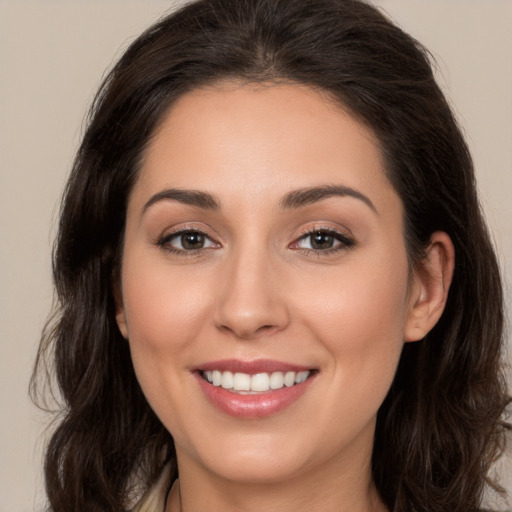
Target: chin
(258, 468)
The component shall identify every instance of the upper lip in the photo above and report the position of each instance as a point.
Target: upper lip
(250, 367)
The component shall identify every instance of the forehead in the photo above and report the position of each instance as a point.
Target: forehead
(259, 141)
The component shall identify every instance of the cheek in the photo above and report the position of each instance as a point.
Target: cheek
(163, 308)
(359, 317)
(354, 303)
(165, 312)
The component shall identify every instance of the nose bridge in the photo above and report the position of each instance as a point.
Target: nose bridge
(251, 300)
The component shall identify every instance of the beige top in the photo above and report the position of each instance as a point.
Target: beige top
(154, 499)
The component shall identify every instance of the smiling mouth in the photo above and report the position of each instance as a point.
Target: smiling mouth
(244, 383)
(253, 389)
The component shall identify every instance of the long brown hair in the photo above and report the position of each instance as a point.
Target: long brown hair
(440, 427)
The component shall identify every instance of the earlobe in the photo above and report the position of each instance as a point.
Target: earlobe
(121, 322)
(120, 312)
(429, 290)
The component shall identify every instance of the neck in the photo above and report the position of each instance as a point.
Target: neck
(328, 490)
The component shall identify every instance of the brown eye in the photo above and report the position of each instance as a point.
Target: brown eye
(192, 240)
(321, 240)
(186, 241)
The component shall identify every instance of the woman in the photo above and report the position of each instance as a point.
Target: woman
(274, 278)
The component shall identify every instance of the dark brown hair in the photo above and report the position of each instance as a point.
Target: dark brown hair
(440, 427)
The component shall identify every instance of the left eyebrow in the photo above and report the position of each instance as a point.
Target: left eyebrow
(304, 196)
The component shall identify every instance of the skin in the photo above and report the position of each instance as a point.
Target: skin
(257, 289)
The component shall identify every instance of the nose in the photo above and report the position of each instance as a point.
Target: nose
(251, 297)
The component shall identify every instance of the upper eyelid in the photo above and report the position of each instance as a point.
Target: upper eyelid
(171, 234)
(323, 228)
(186, 230)
(335, 234)
(346, 240)
(187, 227)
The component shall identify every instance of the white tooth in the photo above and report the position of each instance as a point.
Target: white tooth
(260, 382)
(277, 380)
(289, 379)
(301, 377)
(216, 377)
(208, 376)
(227, 380)
(241, 382)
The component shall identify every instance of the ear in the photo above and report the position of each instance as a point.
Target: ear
(429, 288)
(120, 311)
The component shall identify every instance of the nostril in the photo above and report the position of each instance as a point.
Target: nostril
(249, 332)
(249, 312)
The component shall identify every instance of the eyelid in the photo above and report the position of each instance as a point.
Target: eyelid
(163, 241)
(346, 240)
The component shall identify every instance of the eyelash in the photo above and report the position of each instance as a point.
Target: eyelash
(345, 242)
(164, 242)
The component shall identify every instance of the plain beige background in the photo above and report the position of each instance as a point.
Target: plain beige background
(52, 57)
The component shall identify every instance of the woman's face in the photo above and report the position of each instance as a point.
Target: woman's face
(264, 246)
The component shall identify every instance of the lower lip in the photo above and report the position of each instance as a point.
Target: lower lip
(253, 406)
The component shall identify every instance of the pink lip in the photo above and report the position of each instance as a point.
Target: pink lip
(252, 406)
(250, 367)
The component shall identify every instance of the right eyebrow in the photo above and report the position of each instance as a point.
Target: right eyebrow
(190, 197)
